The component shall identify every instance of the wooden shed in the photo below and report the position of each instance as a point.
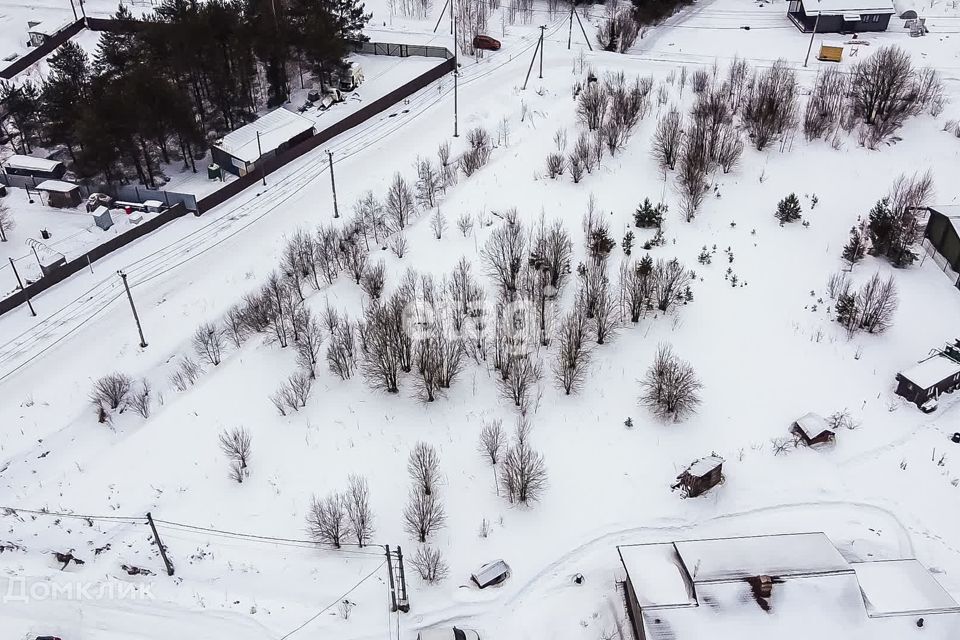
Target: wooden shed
(61, 194)
(701, 476)
(812, 430)
(923, 383)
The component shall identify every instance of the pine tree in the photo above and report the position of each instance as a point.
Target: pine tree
(856, 247)
(64, 94)
(648, 216)
(627, 243)
(788, 209)
(21, 103)
(882, 228)
(848, 313)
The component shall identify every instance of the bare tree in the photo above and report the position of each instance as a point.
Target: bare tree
(667, 139)
(341, 353)
(327, 520)
(877, 303)
(885, 90)
(374, 278)
(110, 392)
(523, 374)
(438, 223)
(492, 440)
(369, 211)
(771, 103)
(556, 164)
(429, 182)
(234, 325)
(825, 105)
(694, 167)
(293, 393)
(503, 257)
(208, 343)
(671, 387)
(573, 355)
(140, 399)
(257, 311)
(479, 152)
(430, 564)
(668, 281)
(358, 509)
(7, 223)
(398, 244)
(400, 206)
(186, 374)
(592, 106)
(236, 444)
(636, 286)
(423, 515)
(465, 224)
(309, 343)
(423, 465)
(382, 354)
(606, 317)
(354, 256)
(894, 226)
(523, 474)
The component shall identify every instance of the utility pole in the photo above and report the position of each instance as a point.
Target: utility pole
(816, 23)
(543, 28)
(456, 70)
(163, 550)
(570, 28)
(532, 60)
(263, 171)
(72, 6)
(393, 590)
(26, 296)
(582, 30)
(333, 185)
(404, 603)
(143, 342)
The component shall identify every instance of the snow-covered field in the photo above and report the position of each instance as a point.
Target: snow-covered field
(766, 350)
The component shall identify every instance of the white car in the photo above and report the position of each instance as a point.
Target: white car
(448, 633)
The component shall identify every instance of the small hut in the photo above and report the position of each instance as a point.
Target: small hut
(923, 383)
(61, 194)
(812, 430)
(701, 476)
(491, 574)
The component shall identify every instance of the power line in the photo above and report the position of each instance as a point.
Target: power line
(261, 538)
(78, 516)
(339, 599)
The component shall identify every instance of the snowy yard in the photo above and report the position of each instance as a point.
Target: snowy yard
(760, 333)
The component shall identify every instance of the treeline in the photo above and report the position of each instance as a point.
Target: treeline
(159, 89)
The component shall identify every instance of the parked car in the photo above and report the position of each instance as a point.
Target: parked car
(486, 42)
(448, 633)
(47, 638)
(491, 574)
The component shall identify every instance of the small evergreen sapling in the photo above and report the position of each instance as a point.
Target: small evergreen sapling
(788, 209)
(627, 243)
(648, 216)
(856, 247)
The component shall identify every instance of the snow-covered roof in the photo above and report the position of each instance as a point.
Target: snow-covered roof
(781, 555)
(690, 590)
(852, 7)
(812, 424)
(657, 575)
(274, 128)
(31, 163)
(48, 27)
(932, 371)
(901, 587)
(58, 186)
(703, 466)
(490, 572)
